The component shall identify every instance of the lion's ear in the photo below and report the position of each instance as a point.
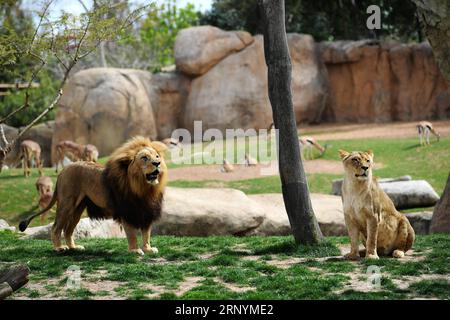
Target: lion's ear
(343, 154)
(370, 153)
(159, 146)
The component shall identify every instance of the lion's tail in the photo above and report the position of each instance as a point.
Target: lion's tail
(25, 222)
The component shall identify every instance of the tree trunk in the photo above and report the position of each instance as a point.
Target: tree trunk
(440, 222)
(293, 179)
(12, 277)
(435, 18)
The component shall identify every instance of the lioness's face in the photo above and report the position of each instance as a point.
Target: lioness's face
(357, 163)
(150, 162)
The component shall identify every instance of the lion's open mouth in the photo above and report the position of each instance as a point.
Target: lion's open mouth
(152, 177)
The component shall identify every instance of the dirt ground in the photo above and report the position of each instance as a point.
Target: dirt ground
(321, 133)
(212, 172)
(372, 130)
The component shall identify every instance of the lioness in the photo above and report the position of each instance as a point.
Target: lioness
(128, 189)
(370, 213)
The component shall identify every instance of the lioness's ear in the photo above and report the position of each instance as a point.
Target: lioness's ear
(159, 146)
(370, 153)
(343, 154)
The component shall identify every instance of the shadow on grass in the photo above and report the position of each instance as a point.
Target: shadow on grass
(412, 146)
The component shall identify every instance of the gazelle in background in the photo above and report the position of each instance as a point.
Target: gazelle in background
(250, 161)
(75, 151)
(44, 186)
(30, 150)
(172, 143)
(307, 144)
(227, 166)
(423, 129)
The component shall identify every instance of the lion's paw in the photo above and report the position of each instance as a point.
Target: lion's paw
(77, 247)
(61, 248)
(151, 250)
(138, 251)
(352, 256)
(372, 256)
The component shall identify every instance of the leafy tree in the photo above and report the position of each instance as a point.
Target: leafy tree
(323, 19)
(66, 39)
(16, 68)
(160, 28)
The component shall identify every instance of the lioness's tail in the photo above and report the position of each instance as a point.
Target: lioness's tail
(25, 222)
(411, 237)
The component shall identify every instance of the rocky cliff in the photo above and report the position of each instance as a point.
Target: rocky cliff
(221, 79)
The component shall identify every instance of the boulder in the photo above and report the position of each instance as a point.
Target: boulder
(441, 214)
(168, 94)
(410, 194)
(42, 134)
(336, 185)
(5, 226)
(378, 82)
(309, 79)
(86, 228)
(208, 212)
(327, 208)
(404, 192)
(198, 49)
(420, 221)
(105, 107)
(234, 93)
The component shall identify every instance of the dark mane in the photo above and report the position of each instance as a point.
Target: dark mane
(137, 211)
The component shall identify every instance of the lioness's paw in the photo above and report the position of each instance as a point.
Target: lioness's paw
(398, 254)
(152, 250)
(352, 256)
(138, 251)
(372, 256)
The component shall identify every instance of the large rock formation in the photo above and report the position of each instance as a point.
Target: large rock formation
(441, 214)
(168, 94)
(104, 107)
(198, 49)
(233, 93)
(221, 79)
(379, 82)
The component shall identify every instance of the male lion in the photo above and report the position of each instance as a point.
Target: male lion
(128, 189)
(370, 213)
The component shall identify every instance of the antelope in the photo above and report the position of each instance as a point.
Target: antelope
(29, 150)
(75, 151)
(171, 143)
(90, 153)
(44, 186)
(308, 143)
(250, 161)
(226, 167)
(424, 128)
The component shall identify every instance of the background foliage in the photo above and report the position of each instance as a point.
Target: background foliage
(323, 19)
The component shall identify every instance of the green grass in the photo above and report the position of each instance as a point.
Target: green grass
(398, 158)
(226, 264)
(18, 196)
